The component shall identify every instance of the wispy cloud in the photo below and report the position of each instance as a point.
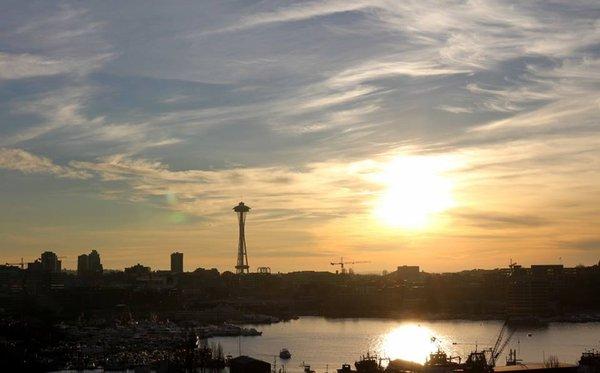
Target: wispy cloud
(27, 163)
(293, 13)
(18, 66)
(494, 220)
(203, 192)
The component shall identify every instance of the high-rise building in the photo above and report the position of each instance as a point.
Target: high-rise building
(89, 264)
(95, 266)
(50, 262)
(83, 265)
(177, 262)
(535, 291)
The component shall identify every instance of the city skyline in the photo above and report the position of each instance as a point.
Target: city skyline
(450, 137)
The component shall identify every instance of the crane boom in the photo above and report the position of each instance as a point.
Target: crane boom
(342, 263)
(501, 343)
(500, 337)
(504, 344)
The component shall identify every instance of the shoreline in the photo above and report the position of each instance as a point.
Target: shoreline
(567, 319)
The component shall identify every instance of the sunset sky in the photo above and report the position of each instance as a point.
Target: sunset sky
(451, 136)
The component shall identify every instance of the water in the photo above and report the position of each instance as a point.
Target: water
(327, 343)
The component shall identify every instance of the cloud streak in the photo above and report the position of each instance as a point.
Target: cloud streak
(27, 163)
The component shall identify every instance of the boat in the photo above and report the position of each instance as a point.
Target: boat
(589, 362)
(306, 368)
(284, 354)
(346, 368)
(369, 364)
(440, 362)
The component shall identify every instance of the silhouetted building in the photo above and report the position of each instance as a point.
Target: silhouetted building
(10, 278)
(95, 266)
(89, 264)
(50, 262)
(83, 265)
(177, 262)
(35, 266)
(138, 270)
(534, 291)
(246, 364)
(408, 273)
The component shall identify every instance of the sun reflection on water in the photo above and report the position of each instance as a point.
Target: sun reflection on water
(410, 341)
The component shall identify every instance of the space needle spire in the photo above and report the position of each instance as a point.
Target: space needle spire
(242, 257)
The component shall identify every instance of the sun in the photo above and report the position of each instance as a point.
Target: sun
(408, 341)
(415, 189)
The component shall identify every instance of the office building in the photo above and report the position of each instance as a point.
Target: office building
(177, 262)
(83, 264)
(50, 262)
(534, 291)
(89, 264)
(95, 266)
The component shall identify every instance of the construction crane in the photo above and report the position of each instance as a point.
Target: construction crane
(478, 359)
(341, 263)
(501, 342)
(20, 264)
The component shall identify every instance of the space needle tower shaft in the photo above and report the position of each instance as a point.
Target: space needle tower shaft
(242, 257)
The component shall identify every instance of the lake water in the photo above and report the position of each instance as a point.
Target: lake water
(327, 343)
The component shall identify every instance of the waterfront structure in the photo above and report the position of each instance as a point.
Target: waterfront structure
(177, 262)
(534, 292)
(242, 257)
(50, 262)
(246, 364)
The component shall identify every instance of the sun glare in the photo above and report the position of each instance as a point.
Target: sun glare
(416, 188)
(408, 342)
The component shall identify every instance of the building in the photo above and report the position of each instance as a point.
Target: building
(95, 266)
(50, 262)
(534, 292)
(83, 265)
(89, 264)
(177, 262)
(11, 278)
(35, 266)
(408, 273)
(246, 364)
(138, 270)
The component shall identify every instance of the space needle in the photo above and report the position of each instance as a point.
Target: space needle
(242, 258)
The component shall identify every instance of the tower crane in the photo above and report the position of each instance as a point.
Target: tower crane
(341, 263)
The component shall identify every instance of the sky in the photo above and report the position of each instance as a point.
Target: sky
(451, 136)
